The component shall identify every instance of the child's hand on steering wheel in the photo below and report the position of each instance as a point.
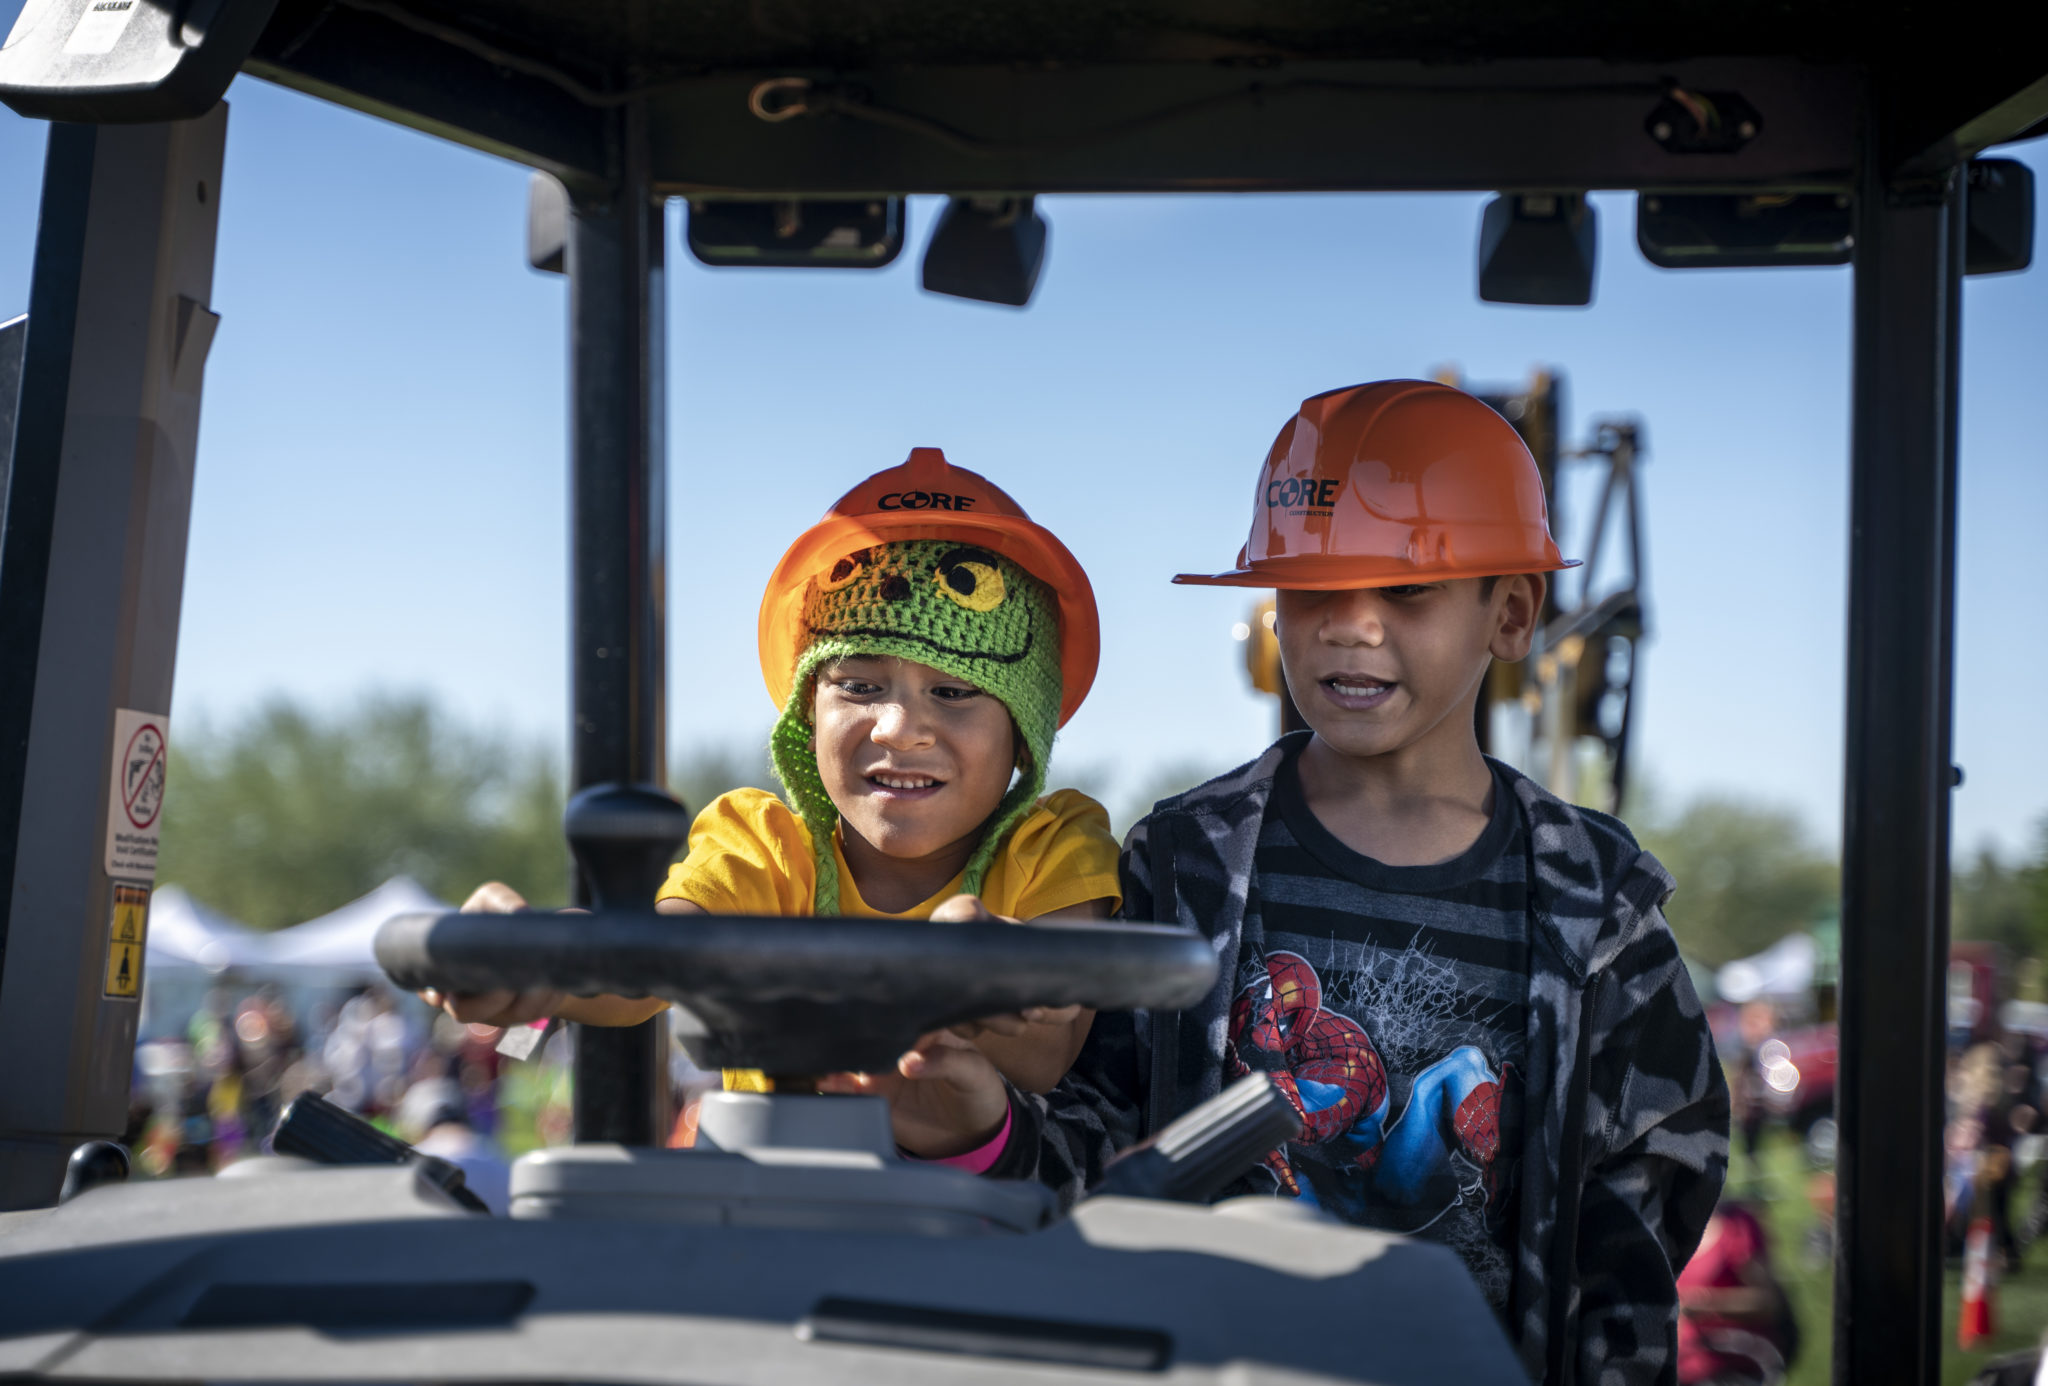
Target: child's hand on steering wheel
(501, 1008)
(945, 1097)
(968, 909)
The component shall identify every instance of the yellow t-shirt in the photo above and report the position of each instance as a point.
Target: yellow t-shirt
(750, 854)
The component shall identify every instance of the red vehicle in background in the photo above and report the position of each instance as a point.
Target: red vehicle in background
(1797, 1065)
(1977, 986)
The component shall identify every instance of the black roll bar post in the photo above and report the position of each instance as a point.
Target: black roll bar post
(618, 568)
(1898, 774)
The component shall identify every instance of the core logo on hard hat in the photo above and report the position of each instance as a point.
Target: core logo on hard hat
(1292, 493)
(924, 500)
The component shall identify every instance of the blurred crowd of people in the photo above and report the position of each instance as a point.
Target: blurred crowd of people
(1738, 1325)
(211, 1092)
(207, 1097)
(1995, 1090)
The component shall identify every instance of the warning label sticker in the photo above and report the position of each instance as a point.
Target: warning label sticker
(99, 28)
(126, 930)
(136, 798)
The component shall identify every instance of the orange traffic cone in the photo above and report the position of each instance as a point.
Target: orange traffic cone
(1980, 1287)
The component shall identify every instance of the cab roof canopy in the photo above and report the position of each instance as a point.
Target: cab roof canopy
(757, 97)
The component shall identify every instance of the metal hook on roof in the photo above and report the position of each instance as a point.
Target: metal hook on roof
(762, 103)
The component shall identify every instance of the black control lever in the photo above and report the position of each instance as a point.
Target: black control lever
(313, 1128)
(1196, 1157)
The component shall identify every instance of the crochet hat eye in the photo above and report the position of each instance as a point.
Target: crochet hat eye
(846, 570)
(971, 578)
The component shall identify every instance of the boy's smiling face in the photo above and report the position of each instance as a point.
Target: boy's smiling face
(914, 759)
(1377, 670)
(929, 677)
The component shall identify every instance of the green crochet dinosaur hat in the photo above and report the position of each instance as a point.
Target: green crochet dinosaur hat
(962, 610)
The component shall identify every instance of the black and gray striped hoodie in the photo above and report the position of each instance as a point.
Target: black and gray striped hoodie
(1626, 1127)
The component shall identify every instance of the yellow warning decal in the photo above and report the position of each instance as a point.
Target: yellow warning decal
(125, 932)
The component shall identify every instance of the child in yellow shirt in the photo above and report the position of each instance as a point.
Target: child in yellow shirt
(924, 642)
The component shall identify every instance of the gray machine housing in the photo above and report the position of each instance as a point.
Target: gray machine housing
(738, 1267)
(777, 1161)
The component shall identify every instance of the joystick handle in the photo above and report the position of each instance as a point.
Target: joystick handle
(1197, 1156)
(312, 1128)
(624, 836)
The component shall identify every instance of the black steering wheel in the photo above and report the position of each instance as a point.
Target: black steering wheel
(795, 995)
(788, 995)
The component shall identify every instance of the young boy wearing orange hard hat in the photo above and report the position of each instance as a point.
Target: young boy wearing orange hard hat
(1464, 984)
(924, 641)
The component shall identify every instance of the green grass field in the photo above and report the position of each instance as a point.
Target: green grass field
(1780, 1189)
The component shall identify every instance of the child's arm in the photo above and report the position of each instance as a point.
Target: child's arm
(523, 1007)
(1033, 1050)
(969, 1088)
(946, 1100)
(1064, 1137)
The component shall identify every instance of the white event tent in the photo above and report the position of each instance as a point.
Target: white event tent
(186, 950)
(343, 940)
(1785, 969)
(183, 933)
(190, 946)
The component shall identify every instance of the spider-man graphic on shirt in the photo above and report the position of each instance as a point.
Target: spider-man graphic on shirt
(1333, 1073)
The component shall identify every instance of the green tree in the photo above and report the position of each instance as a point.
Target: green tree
(1990, 902)
(2004, 903)
(702, 773)
(1160, 782)
(1748, 874)
(288, 813)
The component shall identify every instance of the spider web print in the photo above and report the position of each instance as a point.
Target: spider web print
(1409, 1003)
(1463, 1230)
(1411, 1006)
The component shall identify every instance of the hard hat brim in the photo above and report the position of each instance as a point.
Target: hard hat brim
(782, 637)
(1349, 574)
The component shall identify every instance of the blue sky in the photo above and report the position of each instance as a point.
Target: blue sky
(381, 490)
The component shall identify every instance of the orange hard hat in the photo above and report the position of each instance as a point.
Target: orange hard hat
(929, 498)
(1393, 482)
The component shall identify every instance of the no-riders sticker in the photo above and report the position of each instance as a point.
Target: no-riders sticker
(135, 799)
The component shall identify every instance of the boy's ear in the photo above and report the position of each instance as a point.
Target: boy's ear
(1517, 606)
